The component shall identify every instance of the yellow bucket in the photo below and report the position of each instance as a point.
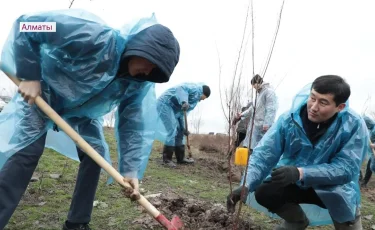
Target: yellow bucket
(241, 156)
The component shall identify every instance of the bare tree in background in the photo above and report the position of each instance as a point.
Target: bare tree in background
(233, 92)
(366, 104)
(71, 3)
(231, 95)
(196, 120)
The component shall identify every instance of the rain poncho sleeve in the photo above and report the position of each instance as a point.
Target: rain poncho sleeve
(247, 113)
(27, 45)
(344, 166)
(266, 155)
(190, 93)
(270, 108)
(182, 95)
(134, 131)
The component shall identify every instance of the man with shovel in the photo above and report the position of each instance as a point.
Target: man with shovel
(306, 167)
(83, 71)
(172, 106)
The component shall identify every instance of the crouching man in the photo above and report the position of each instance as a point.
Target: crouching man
(312, 155)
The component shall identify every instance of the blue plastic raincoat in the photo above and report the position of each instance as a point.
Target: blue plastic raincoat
(370, 124)
(371, 128)
(83, 73)
(171, 120)
(266, 108)
(331, 167)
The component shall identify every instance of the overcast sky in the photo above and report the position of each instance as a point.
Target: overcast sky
(316, 37)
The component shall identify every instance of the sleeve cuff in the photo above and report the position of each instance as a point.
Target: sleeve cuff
(131, 174)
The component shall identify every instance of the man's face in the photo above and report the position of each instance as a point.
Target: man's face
(321, 107)
(202, 97)
(257, 86)
(140, 66)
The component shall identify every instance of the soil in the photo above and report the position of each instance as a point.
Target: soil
(195, 214)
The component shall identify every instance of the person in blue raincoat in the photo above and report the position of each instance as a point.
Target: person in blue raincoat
(83, 71)
(306, 167)
(370, 123)
(265, 113)
(171, 106)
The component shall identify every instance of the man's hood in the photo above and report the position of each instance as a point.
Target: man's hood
(158, 45)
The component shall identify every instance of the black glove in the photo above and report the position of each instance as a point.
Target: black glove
(236, 196)
(186, 133)
(285, 175)
(185, 106)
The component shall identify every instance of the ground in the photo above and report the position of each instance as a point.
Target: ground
(196, 194)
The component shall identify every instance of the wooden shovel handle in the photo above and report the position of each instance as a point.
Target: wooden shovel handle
(187, 137)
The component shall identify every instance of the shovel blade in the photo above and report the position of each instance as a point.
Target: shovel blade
(177, 223)
(174, 224)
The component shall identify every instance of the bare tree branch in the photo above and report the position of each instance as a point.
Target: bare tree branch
(365, 104)
(71, 3)
(239, 52)
(274, 40)
(220, 94)
(196, 120)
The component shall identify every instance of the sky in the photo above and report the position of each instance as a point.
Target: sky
(316, 37)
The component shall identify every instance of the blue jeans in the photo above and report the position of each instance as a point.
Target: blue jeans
(18, 170)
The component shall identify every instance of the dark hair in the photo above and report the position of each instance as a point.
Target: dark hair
(206, 91)
(332, 84)
(257, 79)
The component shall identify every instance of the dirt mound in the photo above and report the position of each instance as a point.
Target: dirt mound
(369, 193)
(195, 214)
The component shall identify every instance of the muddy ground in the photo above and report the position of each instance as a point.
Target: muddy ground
(196, 215)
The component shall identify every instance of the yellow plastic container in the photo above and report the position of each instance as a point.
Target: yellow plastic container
(241, 156)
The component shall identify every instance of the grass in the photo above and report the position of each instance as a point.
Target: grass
(46, 202)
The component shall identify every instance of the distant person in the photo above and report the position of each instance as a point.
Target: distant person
(242, 125)
(265, 113)
(171, 106)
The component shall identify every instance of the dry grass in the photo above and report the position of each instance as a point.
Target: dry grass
(211, 143)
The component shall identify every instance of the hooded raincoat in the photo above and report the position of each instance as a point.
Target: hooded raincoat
(331, 167)
(171, 120)
(83, 72)
(266, 108)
